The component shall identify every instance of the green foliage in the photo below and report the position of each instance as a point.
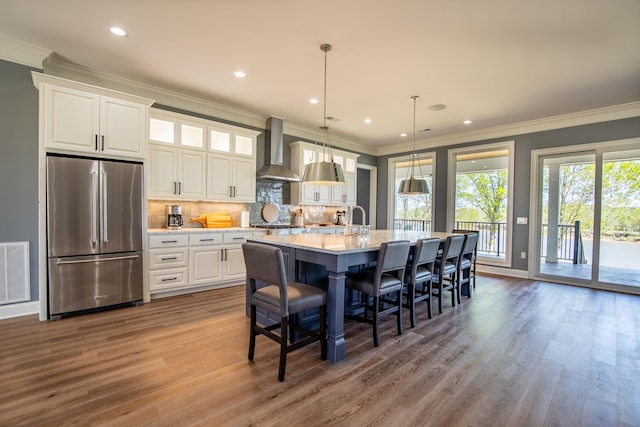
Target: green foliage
(481, 196)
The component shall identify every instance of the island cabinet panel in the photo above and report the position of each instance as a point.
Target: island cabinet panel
(183, 261)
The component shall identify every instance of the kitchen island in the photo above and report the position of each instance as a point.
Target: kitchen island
(337, 253)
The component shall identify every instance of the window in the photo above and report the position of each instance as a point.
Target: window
(413, 212)
(480, 197)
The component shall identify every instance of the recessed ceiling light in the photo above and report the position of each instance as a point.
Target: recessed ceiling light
(403, 135)
(467, 122)
(313, 101)
(367, 121)
(240, 74)
(118, 31)
(437, 107)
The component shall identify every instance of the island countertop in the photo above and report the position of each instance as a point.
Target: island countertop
(337, 253)
(341, 244)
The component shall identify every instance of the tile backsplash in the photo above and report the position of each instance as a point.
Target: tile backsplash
(273, 192)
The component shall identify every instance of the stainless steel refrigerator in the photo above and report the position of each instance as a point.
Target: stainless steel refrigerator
(94, 229)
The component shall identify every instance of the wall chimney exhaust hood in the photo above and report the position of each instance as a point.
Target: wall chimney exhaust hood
(273, 170)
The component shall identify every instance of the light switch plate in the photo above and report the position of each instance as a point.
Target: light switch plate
(521, 220)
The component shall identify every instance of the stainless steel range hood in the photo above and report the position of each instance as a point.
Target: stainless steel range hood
(273, 169)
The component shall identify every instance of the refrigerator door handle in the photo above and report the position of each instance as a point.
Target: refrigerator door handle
(103, 210)
(94, 208)
(82, 261)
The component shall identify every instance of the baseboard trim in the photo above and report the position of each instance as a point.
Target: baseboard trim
(20, 309)
(510, 272)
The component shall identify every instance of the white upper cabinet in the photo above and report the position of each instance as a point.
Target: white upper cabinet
(302, 154)
(81, 118)
(237, 142)
(197, 159)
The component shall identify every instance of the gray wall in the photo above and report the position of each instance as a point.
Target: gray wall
(524, 144)
(19, 165)
(19, 162)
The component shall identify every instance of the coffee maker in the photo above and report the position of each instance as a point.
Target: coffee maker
(174, 217)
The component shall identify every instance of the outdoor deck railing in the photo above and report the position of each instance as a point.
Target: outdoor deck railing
(493, 235)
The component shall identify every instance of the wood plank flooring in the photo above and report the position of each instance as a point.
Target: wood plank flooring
(519, 353)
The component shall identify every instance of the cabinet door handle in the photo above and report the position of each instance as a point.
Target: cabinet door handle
(96, 142)
(221, 254)
(102, 143)
(225, 254)
(175, 187)
(230, 191)
(179, 187)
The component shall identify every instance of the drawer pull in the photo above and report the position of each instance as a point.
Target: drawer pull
(170, 279)
(169, 241)
(173, 258)
(238, 238)
(206, 240)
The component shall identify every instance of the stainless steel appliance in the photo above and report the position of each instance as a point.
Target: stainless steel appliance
(174, 217)
(94, 227)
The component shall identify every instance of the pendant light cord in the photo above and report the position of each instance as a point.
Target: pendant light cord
(413, 155)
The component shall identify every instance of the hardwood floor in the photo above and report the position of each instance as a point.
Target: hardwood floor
(520, 353)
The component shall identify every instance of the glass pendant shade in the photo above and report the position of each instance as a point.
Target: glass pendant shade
(413, 186)
(323, 173)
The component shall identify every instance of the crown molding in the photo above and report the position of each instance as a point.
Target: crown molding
(24, 54)
(616, 112)
(316, 135)
(58, 66)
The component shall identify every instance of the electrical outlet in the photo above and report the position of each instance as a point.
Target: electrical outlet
(523, 255)
(521, 220)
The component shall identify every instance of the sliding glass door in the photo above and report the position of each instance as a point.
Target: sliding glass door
(619, 254)
(567, 204)
(588, 223)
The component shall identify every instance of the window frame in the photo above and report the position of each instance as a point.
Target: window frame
(451, 194)
(392, 190)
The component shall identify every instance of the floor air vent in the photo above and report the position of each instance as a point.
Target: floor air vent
(14, 272)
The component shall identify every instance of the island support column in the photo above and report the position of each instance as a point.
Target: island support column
(336, 345)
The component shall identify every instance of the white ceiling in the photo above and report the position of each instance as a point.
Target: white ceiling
(495, 62)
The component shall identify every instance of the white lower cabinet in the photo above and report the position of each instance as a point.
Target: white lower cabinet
(205, 265)
(186, 262)
(167, 258)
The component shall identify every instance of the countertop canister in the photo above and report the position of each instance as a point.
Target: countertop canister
(244, 219)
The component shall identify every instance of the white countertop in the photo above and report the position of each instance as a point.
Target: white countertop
(201, 230)
(222, 230)
(340, 244)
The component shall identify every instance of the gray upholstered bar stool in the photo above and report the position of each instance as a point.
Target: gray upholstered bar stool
(284, 298)
(419, 275)
(446, 269)
(466, 263)
(387, 278)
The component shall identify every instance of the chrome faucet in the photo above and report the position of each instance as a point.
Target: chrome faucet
(364, 215)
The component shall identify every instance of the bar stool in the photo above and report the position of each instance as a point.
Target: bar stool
(466, 262)
(265, 263)
(387, 278)
(446, 268)
(419, 275)
(474, 255)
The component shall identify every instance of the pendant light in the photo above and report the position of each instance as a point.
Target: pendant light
(412, 185)
(324, 172)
